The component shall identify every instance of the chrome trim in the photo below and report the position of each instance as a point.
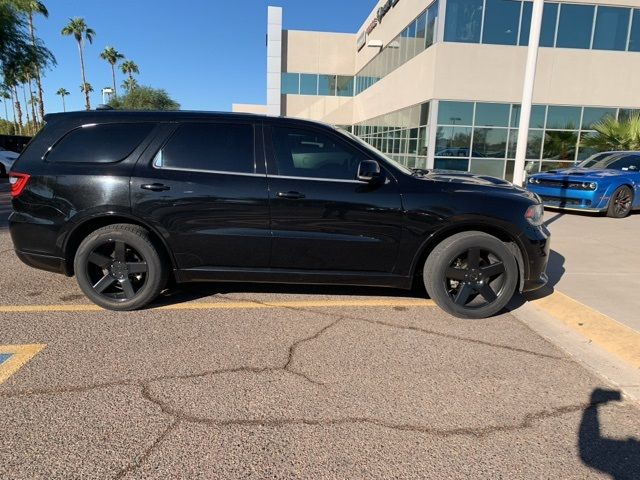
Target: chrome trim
(589, 210)
(288, 177)
(219, 172)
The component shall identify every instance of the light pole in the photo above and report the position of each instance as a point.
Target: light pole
(527, 91)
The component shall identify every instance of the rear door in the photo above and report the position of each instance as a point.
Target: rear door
(205, 189)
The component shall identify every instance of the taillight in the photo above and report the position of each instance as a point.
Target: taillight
(18, 182)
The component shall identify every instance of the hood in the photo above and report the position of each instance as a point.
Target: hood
(583, 173)
(466, 177)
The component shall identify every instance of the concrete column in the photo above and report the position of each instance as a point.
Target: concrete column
(433, 129)
(274, 60)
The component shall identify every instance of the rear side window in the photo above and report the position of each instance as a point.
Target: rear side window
(102, 143)
(209, 147)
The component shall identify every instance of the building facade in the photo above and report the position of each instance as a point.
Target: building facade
(437, 83)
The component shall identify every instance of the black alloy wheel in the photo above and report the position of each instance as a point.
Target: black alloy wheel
(116, 270)
(620, 203)
(471, 275)
(475, 278)
(119, 268)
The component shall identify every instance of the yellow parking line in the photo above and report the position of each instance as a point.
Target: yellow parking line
(602, 330)
(20, 354)
(230, 305)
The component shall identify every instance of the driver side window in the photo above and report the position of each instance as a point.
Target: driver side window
(307, 153)
(627, 163)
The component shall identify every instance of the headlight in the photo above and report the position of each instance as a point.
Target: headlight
(535, 214)
(593, 186)
(534, 180)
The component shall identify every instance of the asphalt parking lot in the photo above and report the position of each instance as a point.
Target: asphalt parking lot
(253, 381)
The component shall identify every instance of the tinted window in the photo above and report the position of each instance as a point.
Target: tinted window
(209, 146)
(327, 85)
(492, 114)
(575, 25)
(612, 25)
(626, 163)
(308, 84)
(344, 86)
(501, 20)
(548, 29)
(563, 117)
(593, 115)
(290, 83)
(455, 113)
(525, 24)
(106, 143)
(634, 39)
(462, 21)
(307, 153)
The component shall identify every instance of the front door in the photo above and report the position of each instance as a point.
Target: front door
(204, 191)
(322, 218)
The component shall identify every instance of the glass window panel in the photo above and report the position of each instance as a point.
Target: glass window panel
(563, 117)
(634, 40)
(455, 113)
(575, 25)
(493, 168)
(451, 164)
(492, 114)
(592, 116)
(489, 142)
(534, 144)
(501, 20)
(560, 145)
(308, 84)
(585, 152)
(214, 146)
(612, 25)
(344, 86)
(424, 114)
(463, 20)
(290, 83)
(453, 141)
(549, 19)
(308, 153)
(545, 166)
(327, 85)
(432, 17)
(537, 116)
(525, 24)
(626, 113)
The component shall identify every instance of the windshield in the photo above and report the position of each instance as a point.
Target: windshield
(369, 147)
(600, 160)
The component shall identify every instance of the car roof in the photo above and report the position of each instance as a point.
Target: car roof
(97, 116)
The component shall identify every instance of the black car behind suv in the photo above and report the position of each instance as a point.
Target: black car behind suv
(128, 200)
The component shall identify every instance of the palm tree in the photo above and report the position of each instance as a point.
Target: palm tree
(612, 134)
(4, 95)
(86, 88)
(129, 68)
(129, 84)
(31, 8)
(112, 56)
(78, 28)
(63, 92)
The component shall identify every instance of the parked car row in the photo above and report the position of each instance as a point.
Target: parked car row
(7, 158)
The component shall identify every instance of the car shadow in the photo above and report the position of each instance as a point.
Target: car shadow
(187, 292)
(618, 458)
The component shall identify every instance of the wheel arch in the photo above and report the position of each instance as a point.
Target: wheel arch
(88, 225)
(500, 233)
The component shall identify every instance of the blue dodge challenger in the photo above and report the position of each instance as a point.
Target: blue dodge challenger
(606, 182)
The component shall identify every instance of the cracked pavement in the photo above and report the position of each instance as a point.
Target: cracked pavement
(290, 392)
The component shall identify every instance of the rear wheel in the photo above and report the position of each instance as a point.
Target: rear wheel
(471, 275)
(620, 203)
(119, 268)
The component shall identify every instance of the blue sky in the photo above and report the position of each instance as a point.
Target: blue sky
(207, 54)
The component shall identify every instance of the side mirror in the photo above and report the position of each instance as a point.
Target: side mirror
(368, 171)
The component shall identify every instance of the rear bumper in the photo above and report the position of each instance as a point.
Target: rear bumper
(43, 262)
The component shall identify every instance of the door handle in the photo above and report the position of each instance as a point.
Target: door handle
(155, 187)
(290, 195)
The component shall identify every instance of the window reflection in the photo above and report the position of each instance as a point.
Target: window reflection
(501, 22)
(574, 26)
(463, 21)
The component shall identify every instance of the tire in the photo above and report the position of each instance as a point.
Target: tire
(119, 268)
(463, 289)
(621, 202)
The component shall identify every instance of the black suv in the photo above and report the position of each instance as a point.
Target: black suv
(129, 200)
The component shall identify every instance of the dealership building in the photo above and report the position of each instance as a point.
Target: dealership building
(438, 83)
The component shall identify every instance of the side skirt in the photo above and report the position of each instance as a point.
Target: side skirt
(275, 275)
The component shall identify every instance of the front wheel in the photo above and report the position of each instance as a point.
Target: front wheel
(471, 275)
(620, 203)
(119, 268)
